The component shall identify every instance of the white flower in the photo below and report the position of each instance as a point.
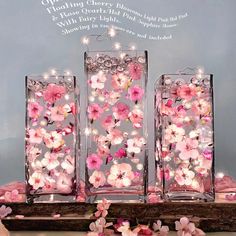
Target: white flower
(68, 165)
(184, 176)
(125, 230)
(50, 160)
(98, 80)
(36, 180)
(174, 134)
(135, 145)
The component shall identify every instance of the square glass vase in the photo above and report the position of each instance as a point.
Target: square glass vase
(116, 132)
(51, 138)
(184, 135)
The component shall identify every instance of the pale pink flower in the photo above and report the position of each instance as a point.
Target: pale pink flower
(135, 71)
(184, 176)
(53, 93)
(188, 149)
(36, 165)
(13, 196)
(161, 229)
(121, 175)
(3, 230)
(99, 226)
(94, 162)
(49, 184)
(108, 123)
(58, 113)
(97, 179)
(102, 208)
(64, 183)
(115, 136)
(204, 165)
(4, 211)
(121, 153)
(68, 164)
(36, 180)
(136, 117)
(135, 145)
(50, 160)
(94, 111)
(36, 135)
(119, 81)
(186, 92)
(166, 108)
(201, 107)
(125, 230)
(53, 140)
(120, 111)
(135, 93)
(33, 152)
(174, 134)
(98, 80)
(186, 228)
(34, 110)
(113, 97)
(103, 150)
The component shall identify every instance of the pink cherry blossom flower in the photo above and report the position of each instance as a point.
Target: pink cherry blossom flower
(99, 226)
(53, 140)
(163, 230)
(36, 135)
(64, 183)
(58, 113)
(108, 123)
(94, 111)
(166, 108)
(50, 160)
(3, 230)
(186, 228)
(68, 164)
(13, 196)
(135, 145)
(36, 180)
(184, 176)
(34, 110)
(32, 152)
(102, 208)
(174, 134)
(135, 71)
(121, 175)
(53, 93)
(4, 211)
(188, 149)
(120, 111)
(115, 136)
(136, 117)
(49, 184)
(119, 81)
(98, 80)
(135, 93)
(125, 230)
(94, 162)
(113, 97)
(121, 153)
(201, 107)
(187, 92)
(103, 150)
(97, 179)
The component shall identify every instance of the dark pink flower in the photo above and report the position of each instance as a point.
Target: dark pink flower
(53, 93)
(121, 111)
(94, 111)
(34, 110)
(121, 153)
(135, 71)
(135, 93)
(108, 122)
(94, 162)
(187, 92)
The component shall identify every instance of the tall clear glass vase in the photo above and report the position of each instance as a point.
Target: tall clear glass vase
(116, 133)
(185, 136)
(51, 142)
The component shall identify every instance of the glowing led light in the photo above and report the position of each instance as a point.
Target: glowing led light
(53, 72)
(220, 175)
(43, 123)
(200, 72)
(91, 98)
(111, 32)
(117, 46)
(87, 131)
(45, 76)
(122, 55)
(85, 40)
(134, 133)
(95, 131)
(101, 98)
(67, 97)
(67, 72)
(139, 166)
(132, 47)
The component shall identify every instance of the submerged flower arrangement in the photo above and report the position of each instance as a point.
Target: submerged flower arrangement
(51, 135)
(116, 93)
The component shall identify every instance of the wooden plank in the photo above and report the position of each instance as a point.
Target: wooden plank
(78, 216)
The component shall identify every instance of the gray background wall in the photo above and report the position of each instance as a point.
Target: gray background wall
(30, 43)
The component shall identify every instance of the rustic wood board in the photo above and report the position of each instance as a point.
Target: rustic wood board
(211, 217)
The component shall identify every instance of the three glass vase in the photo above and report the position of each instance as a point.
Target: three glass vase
(51, 143)
(184, 136)
(116, 132)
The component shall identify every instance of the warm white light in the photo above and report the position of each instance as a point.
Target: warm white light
(200, 72)
(122, 55)
(43, 123)
(101, 98)
(85, 40)
(134, 132)
(132, 47)
(67, 72)
(95, 131)
(45, 76)
(91, 98)
(112, 32)
(67, 97)
(117, 46)
(220, 175)
(87, 131)
(139, 166)
(53, 72)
